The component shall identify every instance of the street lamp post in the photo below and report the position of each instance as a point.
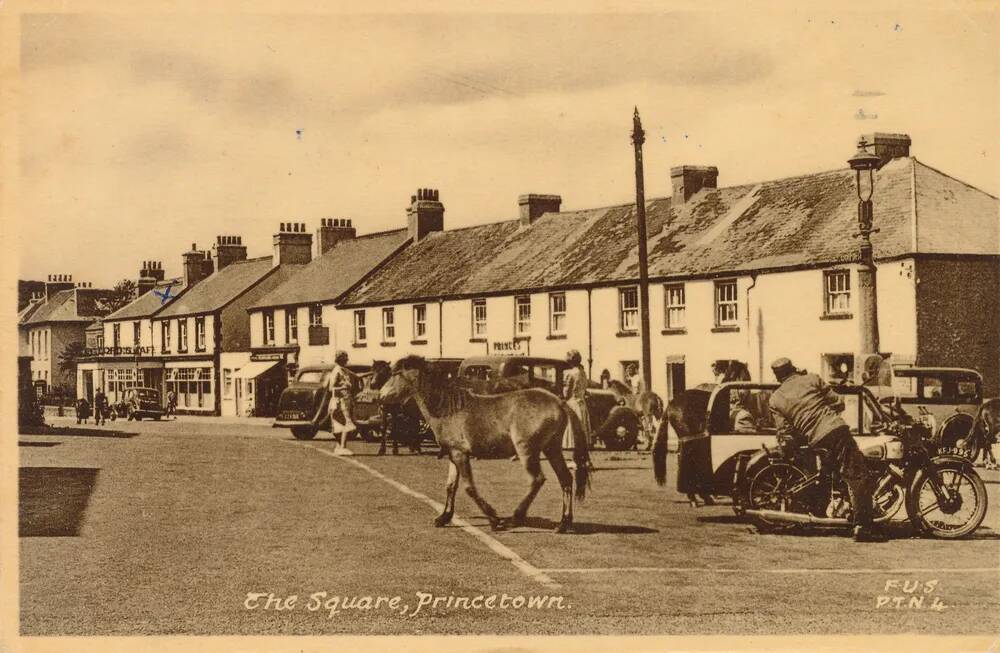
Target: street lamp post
(638, 138)
(864, 165)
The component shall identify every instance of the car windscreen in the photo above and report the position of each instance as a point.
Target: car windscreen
(480, 372)
(938, 388)
(311, 376)
(149, 395)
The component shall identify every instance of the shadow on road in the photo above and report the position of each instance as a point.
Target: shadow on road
(53, 500)
(584, 528)
(723, 519)
(22, 443)
(76, 431)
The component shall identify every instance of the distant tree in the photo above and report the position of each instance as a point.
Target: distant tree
(122, 294)
(69, 356)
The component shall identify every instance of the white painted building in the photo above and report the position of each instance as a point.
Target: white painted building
(749, 273)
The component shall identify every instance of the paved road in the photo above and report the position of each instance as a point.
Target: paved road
(186, 518)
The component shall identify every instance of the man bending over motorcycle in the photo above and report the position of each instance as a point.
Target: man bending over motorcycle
(805, 407)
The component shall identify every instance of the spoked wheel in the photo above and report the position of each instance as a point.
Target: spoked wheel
(772, 489)
(948, 503)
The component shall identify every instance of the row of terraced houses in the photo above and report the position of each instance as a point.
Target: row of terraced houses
(748, 273)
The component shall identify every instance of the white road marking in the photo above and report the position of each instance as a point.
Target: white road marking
(491, 542)
(722, 570)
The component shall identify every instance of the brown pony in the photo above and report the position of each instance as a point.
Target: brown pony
(647, 405)
(529, 422)
(686, 413)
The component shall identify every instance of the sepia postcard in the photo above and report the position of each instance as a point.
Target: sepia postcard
(500, 327)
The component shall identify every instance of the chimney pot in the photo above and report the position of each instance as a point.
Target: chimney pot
(688, 180)
(533, 206)
(888, 146)
(423, 216)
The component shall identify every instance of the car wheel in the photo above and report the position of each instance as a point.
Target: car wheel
(304, 432)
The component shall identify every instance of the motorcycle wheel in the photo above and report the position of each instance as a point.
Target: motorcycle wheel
(768, 490)
(958, 520)
(887, 499)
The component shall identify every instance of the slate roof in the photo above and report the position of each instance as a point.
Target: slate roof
(73, 305)
(220, 288)
(327, 277)
(150, 303)
(792, 222)
(27, 312)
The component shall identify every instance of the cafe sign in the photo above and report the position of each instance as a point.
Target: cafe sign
(115, 351)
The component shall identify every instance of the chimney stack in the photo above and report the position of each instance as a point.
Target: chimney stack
(228, 250)
(57, 282)
(688, 180)
(149, 274)
(292, 244)
(331, 231)
(534, 206)
(888, 146)
(197, 265)
(425, 214)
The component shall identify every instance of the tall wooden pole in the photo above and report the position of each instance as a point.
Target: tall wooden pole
(638, 138)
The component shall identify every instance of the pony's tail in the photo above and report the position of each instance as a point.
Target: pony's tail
(581, 453)
(660, 452)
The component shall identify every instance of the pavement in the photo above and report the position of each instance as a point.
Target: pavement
(205, 526)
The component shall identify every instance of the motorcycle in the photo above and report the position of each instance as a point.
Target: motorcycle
(942, 494)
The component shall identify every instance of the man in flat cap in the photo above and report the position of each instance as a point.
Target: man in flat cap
(806, 407)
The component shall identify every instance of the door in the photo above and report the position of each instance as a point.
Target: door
(88, 386)
(237, 396)
(676, 380)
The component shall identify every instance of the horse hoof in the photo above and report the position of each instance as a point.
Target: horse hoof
(562, 528)
(442, 520)
(498, 525)
(518, 520)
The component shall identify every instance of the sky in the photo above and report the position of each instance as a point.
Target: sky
(142, 134)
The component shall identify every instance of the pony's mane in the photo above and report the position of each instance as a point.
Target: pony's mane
(411, 362)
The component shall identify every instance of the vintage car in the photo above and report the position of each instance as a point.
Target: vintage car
(404, 423)
(614, 424)
(142, 402)
(739, 422)
(303, 405)
(946, 399)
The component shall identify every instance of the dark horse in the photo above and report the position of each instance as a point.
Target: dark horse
(529, 422)
(686, 414)
(986, 429)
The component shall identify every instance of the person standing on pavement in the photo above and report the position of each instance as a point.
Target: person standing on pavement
(101, 408)
(805, 407)
(171, 402)
(342, 384)
(633, 379)
(575, 383)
